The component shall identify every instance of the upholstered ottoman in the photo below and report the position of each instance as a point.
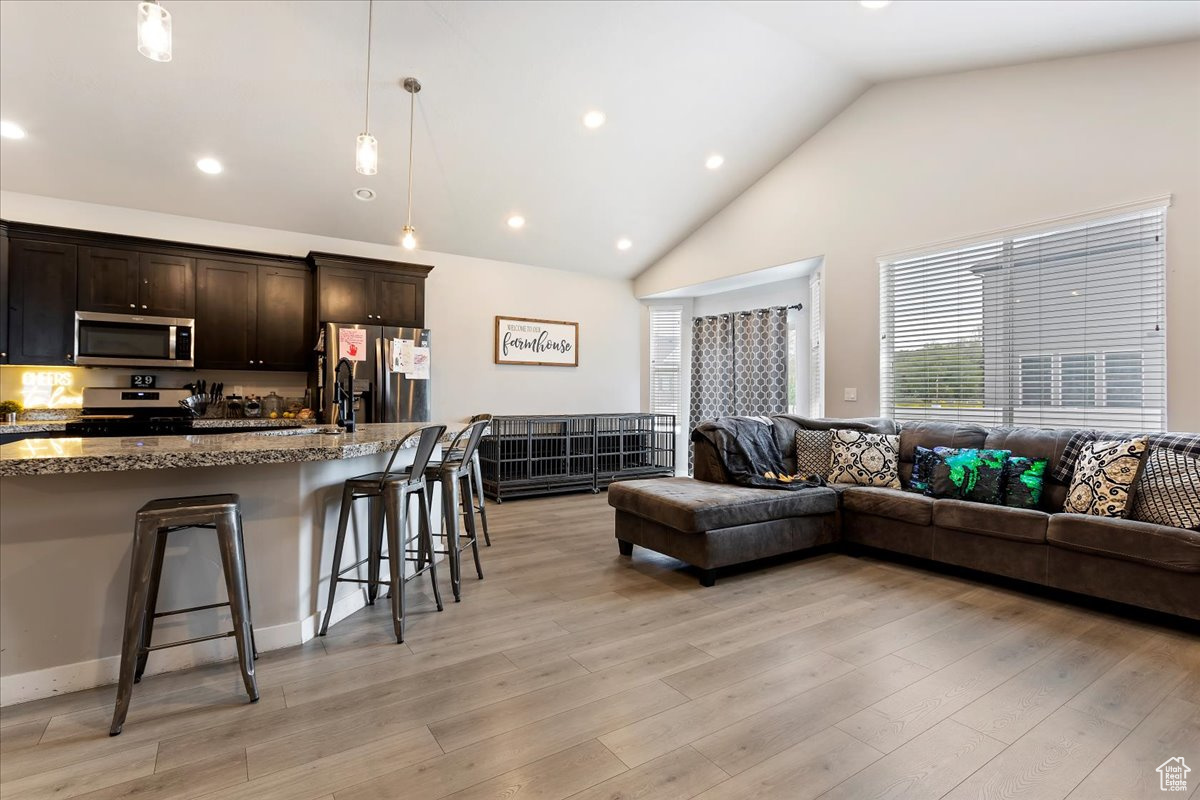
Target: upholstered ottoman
(711, 525)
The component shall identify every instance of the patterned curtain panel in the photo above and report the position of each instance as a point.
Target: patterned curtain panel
(760, 368)
(739, 365)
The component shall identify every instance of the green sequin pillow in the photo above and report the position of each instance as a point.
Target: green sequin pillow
(1023, 481)
(969, 474)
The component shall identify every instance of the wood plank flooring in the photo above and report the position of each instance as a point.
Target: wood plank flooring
(570, 672)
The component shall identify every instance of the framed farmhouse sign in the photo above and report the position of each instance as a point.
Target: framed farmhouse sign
(542, 342)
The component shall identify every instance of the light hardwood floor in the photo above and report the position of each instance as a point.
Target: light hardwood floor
(570, 672)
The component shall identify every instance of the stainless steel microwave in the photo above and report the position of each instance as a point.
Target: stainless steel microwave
(130, 340)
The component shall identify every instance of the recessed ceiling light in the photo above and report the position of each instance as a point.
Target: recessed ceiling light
(11, 130)
(210, 166)
(365, 194)
(624, 244)
(594, 119)
(715, 161)
(874, 4)
(516, 221)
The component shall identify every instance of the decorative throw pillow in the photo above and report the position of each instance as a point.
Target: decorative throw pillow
(1168, 492)
(865, 459)
(1024, 479)
(814, 452)
(924, 462)
(1104, 474)
(968, 474)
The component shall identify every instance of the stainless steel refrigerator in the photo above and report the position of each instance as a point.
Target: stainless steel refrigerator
(391, 371)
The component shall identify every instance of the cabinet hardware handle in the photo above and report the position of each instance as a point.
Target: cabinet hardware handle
(133, 305)
(143, 305)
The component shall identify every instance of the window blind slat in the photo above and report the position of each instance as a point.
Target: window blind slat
(1063, 327)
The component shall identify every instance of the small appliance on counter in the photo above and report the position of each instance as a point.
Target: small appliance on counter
(141, 412)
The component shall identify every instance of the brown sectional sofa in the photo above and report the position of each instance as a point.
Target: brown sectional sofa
(710, 523)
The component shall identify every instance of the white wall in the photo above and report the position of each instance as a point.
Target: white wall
(462, 297)
(928, 160)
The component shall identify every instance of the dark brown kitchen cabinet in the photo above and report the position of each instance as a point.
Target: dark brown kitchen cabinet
(41, 298)
(252, 316)
(369, 291)
(345, 295)
(167, 286)
(226, 314)
(117, 281)
(3, 293)
(108, 280)
(285, 319)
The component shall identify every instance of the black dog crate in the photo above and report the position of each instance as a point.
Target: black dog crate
(523, 456)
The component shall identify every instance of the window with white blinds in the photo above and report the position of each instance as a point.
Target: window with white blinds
(1059, 328)
(816, 350)
(666, 362)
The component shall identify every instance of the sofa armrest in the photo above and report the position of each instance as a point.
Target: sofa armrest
(706, 466)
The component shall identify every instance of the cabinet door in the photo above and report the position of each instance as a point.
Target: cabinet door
(345, 295)
(108, 280)
(41, 322)
(399, 300)
(285, 323)
(226, 309)
(168, 286)
(4, 295)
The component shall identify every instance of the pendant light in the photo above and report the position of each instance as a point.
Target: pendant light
(412, 86)
(154, 31)
(366, 151)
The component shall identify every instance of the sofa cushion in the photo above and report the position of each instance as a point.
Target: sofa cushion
(694, 506)
(785, 426)
(1104, 477)
(1158, 545)
(1047, 443)
(1021, 524)
(1024, 481)
(968, 474)
(814, 452)
(867, 459)
(930, 434)
(1168, 492)
(892, 503)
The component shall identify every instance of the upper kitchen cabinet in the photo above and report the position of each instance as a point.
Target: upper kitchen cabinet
(3, 293)
(369, 291)
(253, 316)
(119, 281)
(167, 285)
(41, 302)
(108, 280)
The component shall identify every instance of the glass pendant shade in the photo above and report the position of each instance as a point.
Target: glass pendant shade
(409, 241)
(154, 32)
(366, 154)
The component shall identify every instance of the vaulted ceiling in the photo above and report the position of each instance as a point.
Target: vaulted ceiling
(275, 91)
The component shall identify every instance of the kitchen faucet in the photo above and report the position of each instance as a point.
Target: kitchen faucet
(343, 396)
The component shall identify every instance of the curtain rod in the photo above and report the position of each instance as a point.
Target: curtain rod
(796, 306)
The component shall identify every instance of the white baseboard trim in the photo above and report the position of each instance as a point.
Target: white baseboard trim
(37, 684)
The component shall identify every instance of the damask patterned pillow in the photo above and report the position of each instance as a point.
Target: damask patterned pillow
(1168, 492)
(1024, 479)
(924, 462)
(865, 459)
(1104, 475)
(968, 474)
(814, 452)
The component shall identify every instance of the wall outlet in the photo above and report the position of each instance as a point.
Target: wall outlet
(851, 395)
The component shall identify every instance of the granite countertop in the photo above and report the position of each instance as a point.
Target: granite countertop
(46, 425)
(287, 446)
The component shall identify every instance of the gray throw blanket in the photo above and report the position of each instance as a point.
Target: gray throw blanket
(746, 449)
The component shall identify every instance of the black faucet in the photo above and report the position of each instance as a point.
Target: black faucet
(344, 395)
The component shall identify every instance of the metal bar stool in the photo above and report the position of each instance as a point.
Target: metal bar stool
(154, 522)
(454, 475)
(388, 493)
(477, 480)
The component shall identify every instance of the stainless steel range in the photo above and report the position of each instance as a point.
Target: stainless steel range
(140, 412)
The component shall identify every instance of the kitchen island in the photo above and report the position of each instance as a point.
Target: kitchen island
(66, 521)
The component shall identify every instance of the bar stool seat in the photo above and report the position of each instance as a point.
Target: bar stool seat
(388, 493)
(154, 522)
